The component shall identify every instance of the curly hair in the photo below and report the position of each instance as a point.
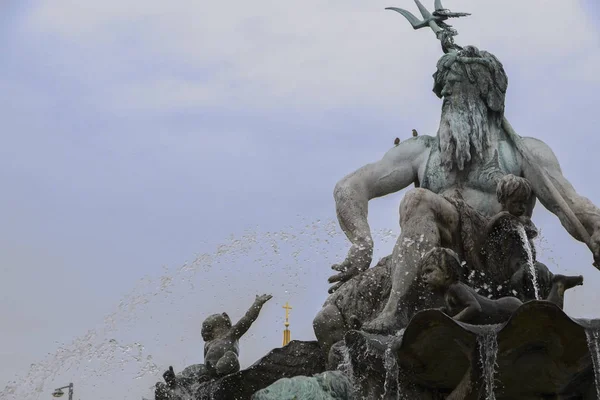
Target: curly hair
(446, 259)
(481, 68)
(513, 186)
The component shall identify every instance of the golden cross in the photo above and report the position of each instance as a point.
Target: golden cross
(287, 310)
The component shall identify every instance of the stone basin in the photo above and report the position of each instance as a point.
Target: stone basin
(542, 353)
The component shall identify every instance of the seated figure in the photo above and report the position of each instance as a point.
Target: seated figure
(507, 251)
(221, 350)
(440, 270)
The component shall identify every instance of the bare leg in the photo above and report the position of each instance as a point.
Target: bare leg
(517, 281)
(522, 282)
(228, 364)
(329, 327)
(427, 220)
(560, 283)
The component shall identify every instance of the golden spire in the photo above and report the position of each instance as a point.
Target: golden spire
(286, 332)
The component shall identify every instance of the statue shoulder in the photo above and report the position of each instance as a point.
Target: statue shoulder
(541, 152)
(424, 140)
(534, 143)
(414, 146)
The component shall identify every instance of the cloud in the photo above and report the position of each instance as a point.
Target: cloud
(149, 126)
(268, 54)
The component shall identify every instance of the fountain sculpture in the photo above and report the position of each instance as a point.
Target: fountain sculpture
(461, 309)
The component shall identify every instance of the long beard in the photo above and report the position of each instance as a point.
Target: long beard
(463, 131)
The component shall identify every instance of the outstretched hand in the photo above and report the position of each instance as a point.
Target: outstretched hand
(358, 260)
(262, 299)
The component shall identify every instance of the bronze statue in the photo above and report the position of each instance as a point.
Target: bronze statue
(452, 171)
(221, 351)
(221, 348)
(441, 271)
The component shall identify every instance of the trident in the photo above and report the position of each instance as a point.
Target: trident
(435, 21)
(445, 33)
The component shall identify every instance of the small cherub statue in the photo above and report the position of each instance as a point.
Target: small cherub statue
(221, 350)
(516, 198)
(440, 270)
(507, 246)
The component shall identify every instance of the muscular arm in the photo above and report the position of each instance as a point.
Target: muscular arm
(396, 170)
(583, 208)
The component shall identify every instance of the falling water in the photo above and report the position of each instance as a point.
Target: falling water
(110, 354)
(488, 350)
(391, 387)
(593, 340)
(346, 364)
(530, 264)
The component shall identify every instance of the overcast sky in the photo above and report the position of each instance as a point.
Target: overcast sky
(162, 161)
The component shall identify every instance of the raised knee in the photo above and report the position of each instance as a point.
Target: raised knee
(228, 364)
(319, 321)
(329, 326)
(417, 202)
(327, 319)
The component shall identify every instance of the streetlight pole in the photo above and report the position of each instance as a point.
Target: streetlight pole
(58, 392)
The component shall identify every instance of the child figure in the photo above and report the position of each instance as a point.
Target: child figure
(508, 252)
(516, 198)
(221, 351)
(221, 348)
(440, 270)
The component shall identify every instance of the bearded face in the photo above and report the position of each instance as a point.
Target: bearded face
(464, 123)
(473, 85)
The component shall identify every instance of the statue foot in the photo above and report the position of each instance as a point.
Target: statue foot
(567, 282)
(384, 324)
